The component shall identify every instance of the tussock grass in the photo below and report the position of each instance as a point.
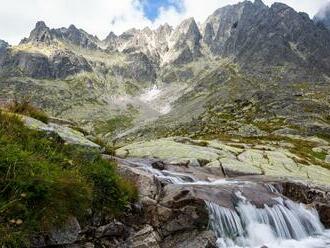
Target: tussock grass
(26, 108)
(43, 182)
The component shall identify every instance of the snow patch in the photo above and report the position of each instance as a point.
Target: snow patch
(151, 94)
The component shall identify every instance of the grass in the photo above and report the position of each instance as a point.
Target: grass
(24, 107)
(43, 182)
(120, 122)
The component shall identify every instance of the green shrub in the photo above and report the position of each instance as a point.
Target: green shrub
(26, 108)
(43, 182)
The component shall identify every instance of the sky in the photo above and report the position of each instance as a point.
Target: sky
(99, 17)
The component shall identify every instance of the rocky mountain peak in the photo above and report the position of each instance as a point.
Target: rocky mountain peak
(110, 41)
(187, 33)
(189, 28)
(77, 37)
(43, 34)
(259, 3)
(40, 34)
(280, 7)
(111, 36)
(40, 25)
(184, 43)
(165, 28)
(3, 45)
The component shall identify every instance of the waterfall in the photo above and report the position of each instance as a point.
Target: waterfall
(284, 224)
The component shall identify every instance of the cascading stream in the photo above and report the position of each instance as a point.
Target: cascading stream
(285, 224)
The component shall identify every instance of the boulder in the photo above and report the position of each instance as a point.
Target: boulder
(145, 238)
(114, 229)
(67, 234)
(195, 239)
(146, 183)
(67, 134)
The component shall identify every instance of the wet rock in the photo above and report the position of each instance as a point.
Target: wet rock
(159, 165)
(146, 183)
(187, 211)
(316, 195)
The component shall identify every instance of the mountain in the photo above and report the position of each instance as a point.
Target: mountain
(323, 17)
(42, 34)
(247, 65)
(3, 45)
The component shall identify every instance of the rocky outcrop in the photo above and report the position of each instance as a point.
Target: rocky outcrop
(139, 68)
(77, 37)
(170, 215)
(65, 63)
(67, 134)
(60, 64)
(258, 36)
(313, 195)
(184, 44)
(3, 46)
(232, 158)
(22, 63)
(42, 34)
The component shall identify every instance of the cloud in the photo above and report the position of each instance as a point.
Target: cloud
(99, 17)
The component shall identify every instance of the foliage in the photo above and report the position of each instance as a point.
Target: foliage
(26, 108)
(43, 182)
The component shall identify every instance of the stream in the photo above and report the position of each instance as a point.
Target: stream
(274, 222)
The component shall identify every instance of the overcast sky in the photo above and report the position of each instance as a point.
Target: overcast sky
(99, 17)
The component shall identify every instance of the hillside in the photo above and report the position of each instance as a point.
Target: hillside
(204, 135)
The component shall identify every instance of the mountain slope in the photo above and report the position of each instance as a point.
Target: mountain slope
(275, 57)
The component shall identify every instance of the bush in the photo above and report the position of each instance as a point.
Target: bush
(43, 182)
(26, 108)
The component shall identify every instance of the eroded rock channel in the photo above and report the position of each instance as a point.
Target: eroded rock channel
(185, 206)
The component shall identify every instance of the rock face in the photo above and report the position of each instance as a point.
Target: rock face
(257, 35)
(316, 196)
(42, 34)
(184, 44)
(3, 46)
(65, 63)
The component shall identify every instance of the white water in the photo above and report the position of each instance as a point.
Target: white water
(286, 224)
